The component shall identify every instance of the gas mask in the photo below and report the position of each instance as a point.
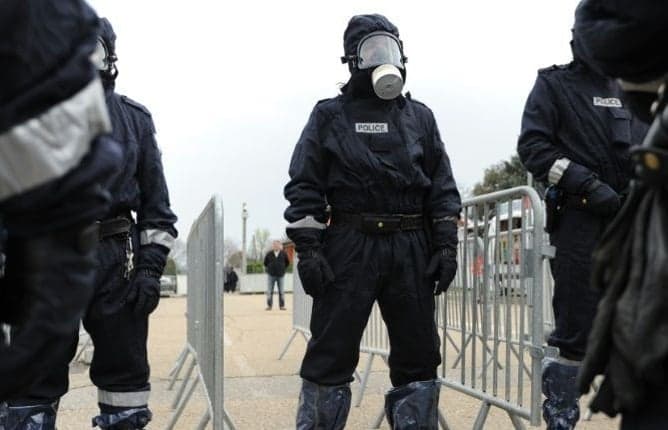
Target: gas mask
(382, 53)
(104, 61)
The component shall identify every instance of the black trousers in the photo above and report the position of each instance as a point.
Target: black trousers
(574, 301)
(120, 363)
(48, 284)
(387, 268)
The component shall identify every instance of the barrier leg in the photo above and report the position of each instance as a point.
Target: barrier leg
(85, 346)
(204, 421)
(442, 421)
(482, 416)
(589, 413)
(365, 380)
(379, 419)
(178, 366)
(452, 341)
(228, 420)
(459, 356)
(182, 405)
(517, 421)
(287, 344)
(189, 373)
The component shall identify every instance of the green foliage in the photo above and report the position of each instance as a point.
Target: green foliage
(255, 266)
(501, 176)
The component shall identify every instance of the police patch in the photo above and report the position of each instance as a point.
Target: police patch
(607, 102)
(371, 127)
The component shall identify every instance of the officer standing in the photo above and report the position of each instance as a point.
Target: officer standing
(55, 169)
(575, 138)
(131, 259)
(377, 159)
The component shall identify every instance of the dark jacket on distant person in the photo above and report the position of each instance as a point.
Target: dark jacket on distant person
(275, 265)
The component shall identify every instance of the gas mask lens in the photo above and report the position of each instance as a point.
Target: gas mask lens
(99, 56)
(378, 49)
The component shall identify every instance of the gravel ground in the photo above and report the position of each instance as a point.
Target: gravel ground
(260, 390)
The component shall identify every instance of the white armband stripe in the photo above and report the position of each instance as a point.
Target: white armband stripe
(158, 237)
(308, 222)
(557, 170)
(47, 147)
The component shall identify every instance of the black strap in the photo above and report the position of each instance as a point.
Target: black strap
(114, 227)
(379, 223)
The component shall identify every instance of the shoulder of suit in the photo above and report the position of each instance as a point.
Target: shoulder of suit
(555, 68)
(135, 105)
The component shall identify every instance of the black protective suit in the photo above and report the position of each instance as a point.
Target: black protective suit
(131, 259)
(575, 136)
(369, 159)
(629, 343)
(54, 173)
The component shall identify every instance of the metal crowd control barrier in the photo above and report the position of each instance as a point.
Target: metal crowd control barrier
(204, 345)
(492, 318)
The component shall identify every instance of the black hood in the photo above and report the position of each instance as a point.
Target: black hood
(359, 85)
(108, 34)
(361, 25)
(624, 39)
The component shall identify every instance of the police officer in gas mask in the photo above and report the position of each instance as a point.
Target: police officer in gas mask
(135, 237)
(376, 158)
(575, 139)
(55, 167)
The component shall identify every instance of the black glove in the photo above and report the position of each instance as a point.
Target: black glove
(600, 199)
(597, 197)
(144, 292)
(442, 269)
(315, 273)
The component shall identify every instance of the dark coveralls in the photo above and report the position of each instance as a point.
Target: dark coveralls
(120, 366)
(403, 169)
(54, 174)
(576, 114)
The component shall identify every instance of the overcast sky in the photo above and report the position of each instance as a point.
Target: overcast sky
(231, 84)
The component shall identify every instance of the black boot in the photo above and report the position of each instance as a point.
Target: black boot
(125, 419)
(413, 406)
(561, 410)
(34, 417)
(323, 407)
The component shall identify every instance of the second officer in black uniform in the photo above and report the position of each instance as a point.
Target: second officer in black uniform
(575, 139)
(131, 257)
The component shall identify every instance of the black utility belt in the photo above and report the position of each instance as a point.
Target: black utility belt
(114, 227)
(379, 223)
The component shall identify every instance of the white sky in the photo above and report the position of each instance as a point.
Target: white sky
(231, 84)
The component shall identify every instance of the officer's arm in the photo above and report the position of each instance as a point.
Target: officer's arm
(155, 219)
(536, 144)
(444, 202)
(305, 191)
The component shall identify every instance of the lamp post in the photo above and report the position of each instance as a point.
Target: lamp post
(244, 219)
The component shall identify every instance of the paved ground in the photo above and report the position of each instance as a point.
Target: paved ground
(260, 391)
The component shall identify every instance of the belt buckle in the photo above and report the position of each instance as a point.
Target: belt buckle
(379, 224)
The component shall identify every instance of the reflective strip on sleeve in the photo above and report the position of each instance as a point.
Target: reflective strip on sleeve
(131, 399)
(308, 222)
(453, 219)
(46, 147)
(557, 170)
(157, 237)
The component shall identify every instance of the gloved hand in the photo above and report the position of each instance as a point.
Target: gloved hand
(144, 292)
(315, 273)
(597, 197)
(442, 269)
(600, 198)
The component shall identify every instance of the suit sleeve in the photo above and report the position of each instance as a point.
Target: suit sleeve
(306, 213)
(443, 204)
(155, 219)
